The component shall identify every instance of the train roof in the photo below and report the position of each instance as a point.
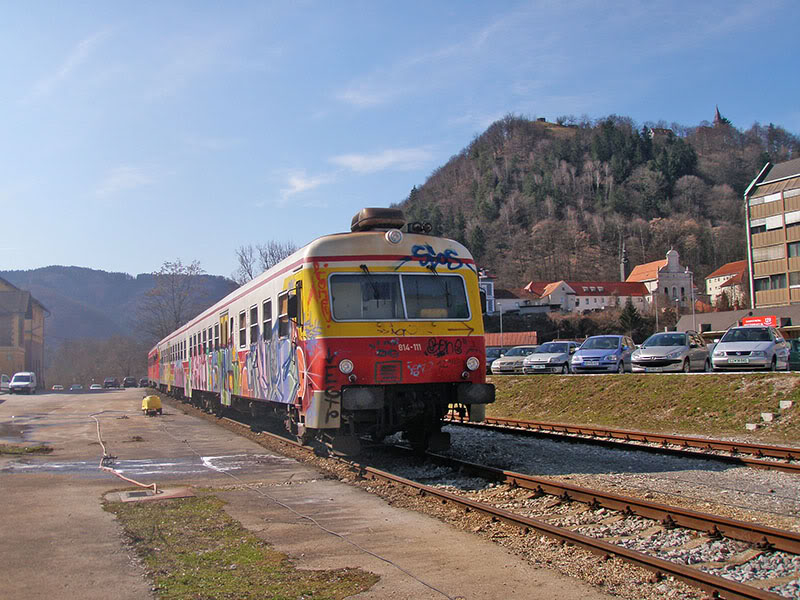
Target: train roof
(368, 242)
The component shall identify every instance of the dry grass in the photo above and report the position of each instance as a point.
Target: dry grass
(713, 404)
(194, 550)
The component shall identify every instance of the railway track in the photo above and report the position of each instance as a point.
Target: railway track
(570, 514)
(760, 456)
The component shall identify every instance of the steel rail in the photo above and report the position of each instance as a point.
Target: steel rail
(620, 437)
(723, 588)
(727, 589)
(761, 536)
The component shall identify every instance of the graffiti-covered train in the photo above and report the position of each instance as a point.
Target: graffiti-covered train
(356, 335)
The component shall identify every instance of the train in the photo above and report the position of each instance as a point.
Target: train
(354, 337)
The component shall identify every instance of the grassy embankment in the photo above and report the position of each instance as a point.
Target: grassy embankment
(193, 549)
(713, 404)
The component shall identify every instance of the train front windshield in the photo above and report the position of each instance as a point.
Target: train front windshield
(381, 297)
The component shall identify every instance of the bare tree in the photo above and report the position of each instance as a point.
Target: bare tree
(254, 260)
(173, 300)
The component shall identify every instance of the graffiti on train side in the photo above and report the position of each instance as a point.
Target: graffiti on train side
(273, 369)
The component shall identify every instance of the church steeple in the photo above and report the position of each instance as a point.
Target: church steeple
(717, 116)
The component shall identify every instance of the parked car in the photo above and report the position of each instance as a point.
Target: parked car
(552, 357)
(128, 382)
(76, 387)
(492, 354)
(95, 387)
(603, 354)
(511, 361)
(58, 388)
(143, 382)
(751, 347)
(23, 382)
(5, 380)
(670, 351)
(109, 382)
(794, 355)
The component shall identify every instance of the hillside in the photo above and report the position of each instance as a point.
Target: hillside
(87, 303)
(541, 201)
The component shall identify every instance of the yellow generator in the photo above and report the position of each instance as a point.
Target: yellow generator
(151, 405)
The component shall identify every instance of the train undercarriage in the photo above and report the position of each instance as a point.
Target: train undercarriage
(415, 411)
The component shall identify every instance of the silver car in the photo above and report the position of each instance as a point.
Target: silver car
(552, 357)
(671, 351)
(751, 347)
(511, 361)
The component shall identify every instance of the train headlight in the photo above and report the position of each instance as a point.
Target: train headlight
(394, 236)
(473, 363)
(346, 366)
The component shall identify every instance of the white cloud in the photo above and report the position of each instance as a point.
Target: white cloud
(297, 182)
(79, 55)
(402, 159)
(122, 179)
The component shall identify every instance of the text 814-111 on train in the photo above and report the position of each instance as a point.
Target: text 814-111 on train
(359, 334)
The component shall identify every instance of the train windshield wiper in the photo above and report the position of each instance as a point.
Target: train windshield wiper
(371, 280)
(432, 268)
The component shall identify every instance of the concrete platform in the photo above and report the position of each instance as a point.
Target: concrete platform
(56, 541)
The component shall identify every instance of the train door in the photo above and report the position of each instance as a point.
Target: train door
(223, 356)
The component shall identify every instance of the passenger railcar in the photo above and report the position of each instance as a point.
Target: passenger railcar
(365, 333)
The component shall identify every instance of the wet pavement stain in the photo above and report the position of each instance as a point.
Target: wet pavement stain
(164, 467)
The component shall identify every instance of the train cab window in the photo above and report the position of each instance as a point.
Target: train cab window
(223, 329)
(283, 315)
(266, 312)
(371, 297)
(254, 324)
(242, 329)
(366, 296)
(216, 336)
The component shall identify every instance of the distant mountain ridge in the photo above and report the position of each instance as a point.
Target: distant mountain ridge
(90, 303)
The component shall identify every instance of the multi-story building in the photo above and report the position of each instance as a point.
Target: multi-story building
(583, 296)
(666, 277)
(728, 279)
(772, 204)
(21, 332)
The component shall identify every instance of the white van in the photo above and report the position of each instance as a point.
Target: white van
(23, 382)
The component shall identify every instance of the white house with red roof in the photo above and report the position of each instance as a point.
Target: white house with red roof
(666, 277)
(729, 279)
(580, 296)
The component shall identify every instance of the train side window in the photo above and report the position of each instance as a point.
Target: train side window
(254, 324)
(283, 315)
(266, 311)
(210, 339)
(205, 342)
(216, 336)
(242, 329)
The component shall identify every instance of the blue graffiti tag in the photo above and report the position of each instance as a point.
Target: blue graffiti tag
(427, 257)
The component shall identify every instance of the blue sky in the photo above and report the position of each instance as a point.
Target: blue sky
(134, 133)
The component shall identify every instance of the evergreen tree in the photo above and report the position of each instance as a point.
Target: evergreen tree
(629, 319)
(477, 242)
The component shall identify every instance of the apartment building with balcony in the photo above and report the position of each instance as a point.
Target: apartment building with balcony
(772, 204)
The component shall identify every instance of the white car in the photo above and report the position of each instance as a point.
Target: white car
(751, 347)
(23, 382)
(5, 380)
(552, 357)
(511, 361)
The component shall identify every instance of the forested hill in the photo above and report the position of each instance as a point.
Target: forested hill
(542, 201)
(89, 303)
